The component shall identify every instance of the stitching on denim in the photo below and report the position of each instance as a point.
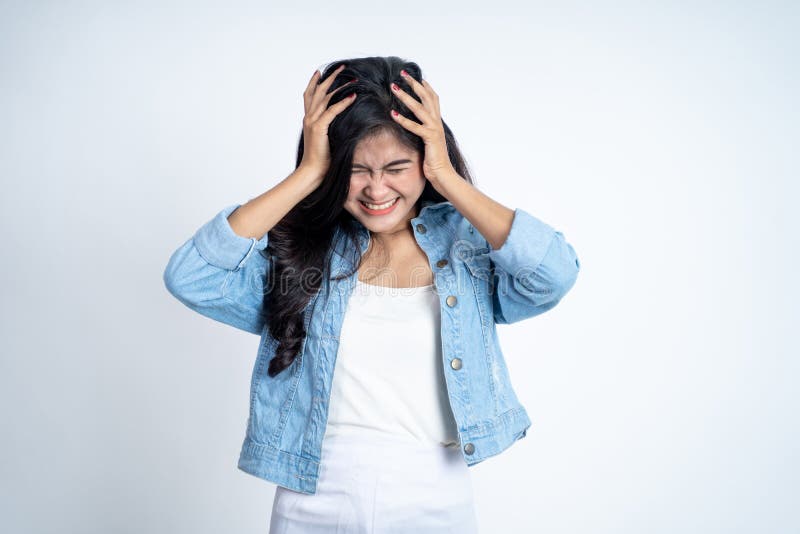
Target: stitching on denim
(257, 380)
(495, 422)
(249, 251)
(249, 311)
(287, 404)
(260, 444)
(533, 287)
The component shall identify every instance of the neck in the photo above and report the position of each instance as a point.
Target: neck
(397, 238)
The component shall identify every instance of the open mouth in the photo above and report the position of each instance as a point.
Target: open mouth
(378, 209)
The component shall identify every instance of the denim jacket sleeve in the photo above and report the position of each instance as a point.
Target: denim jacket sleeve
(221, 274)
(533, 269)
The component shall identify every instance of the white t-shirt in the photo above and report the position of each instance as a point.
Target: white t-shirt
(388, 376)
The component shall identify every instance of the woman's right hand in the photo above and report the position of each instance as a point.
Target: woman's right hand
(318, 117)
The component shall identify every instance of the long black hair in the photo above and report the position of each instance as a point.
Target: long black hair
(299, 244)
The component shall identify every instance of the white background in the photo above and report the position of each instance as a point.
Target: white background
(660, 137)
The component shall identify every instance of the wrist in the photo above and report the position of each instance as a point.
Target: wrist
(309, 178)
(442, 180)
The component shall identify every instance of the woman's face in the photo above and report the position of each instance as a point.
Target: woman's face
(388, 175)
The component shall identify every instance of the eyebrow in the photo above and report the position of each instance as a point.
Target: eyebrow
(395, 162)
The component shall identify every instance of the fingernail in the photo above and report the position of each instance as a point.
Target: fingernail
(403, 73)
(395, 113)
(394, 86)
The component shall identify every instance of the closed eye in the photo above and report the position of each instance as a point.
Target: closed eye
(393, 171)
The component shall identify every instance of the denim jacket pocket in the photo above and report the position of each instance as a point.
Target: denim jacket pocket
(479, 271)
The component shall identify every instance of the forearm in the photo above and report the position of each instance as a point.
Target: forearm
(492, 219)
(259, 215)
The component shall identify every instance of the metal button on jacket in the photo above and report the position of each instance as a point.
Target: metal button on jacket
(441, 263)
(469, 448)
(455, 363)
(451, 300)
(421, 228)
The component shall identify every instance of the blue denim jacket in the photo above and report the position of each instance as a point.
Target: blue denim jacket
(222, 275)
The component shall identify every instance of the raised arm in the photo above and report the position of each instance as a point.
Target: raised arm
(221, 271)
(533, 269)
(533, 265)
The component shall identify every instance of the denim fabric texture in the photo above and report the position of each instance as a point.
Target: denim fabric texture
(224, 276)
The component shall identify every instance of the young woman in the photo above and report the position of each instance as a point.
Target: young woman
(379, 259)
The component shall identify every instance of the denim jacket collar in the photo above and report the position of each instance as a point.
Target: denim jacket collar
(430, 213)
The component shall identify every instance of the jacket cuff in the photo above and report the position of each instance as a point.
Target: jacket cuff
(220, 246)
(526, 244)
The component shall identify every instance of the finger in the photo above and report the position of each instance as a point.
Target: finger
(327, 117)
(323, 105)
(320, 95)
(432, 93)
(343, 86)
(321, 89)
(329, 80)
(407, 123)
(310, 90)
(413, 104)
(418, 88)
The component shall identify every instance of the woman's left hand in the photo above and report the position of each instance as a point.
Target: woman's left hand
(437, 162)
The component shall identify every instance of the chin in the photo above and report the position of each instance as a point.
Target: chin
(382, 226)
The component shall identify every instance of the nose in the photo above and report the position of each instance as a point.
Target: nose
(376, 188)
(379, 174)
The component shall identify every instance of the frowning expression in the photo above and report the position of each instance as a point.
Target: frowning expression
(385, 183)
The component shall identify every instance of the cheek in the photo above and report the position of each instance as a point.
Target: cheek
(352, 193)
(357, 184)
(419, 184)
(413, 183)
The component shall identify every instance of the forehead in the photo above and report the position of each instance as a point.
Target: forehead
(381, 148)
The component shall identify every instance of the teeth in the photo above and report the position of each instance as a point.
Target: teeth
(379, 206)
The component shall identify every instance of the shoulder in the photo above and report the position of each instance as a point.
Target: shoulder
(451, 220)
(439, 210)
(442, 213)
